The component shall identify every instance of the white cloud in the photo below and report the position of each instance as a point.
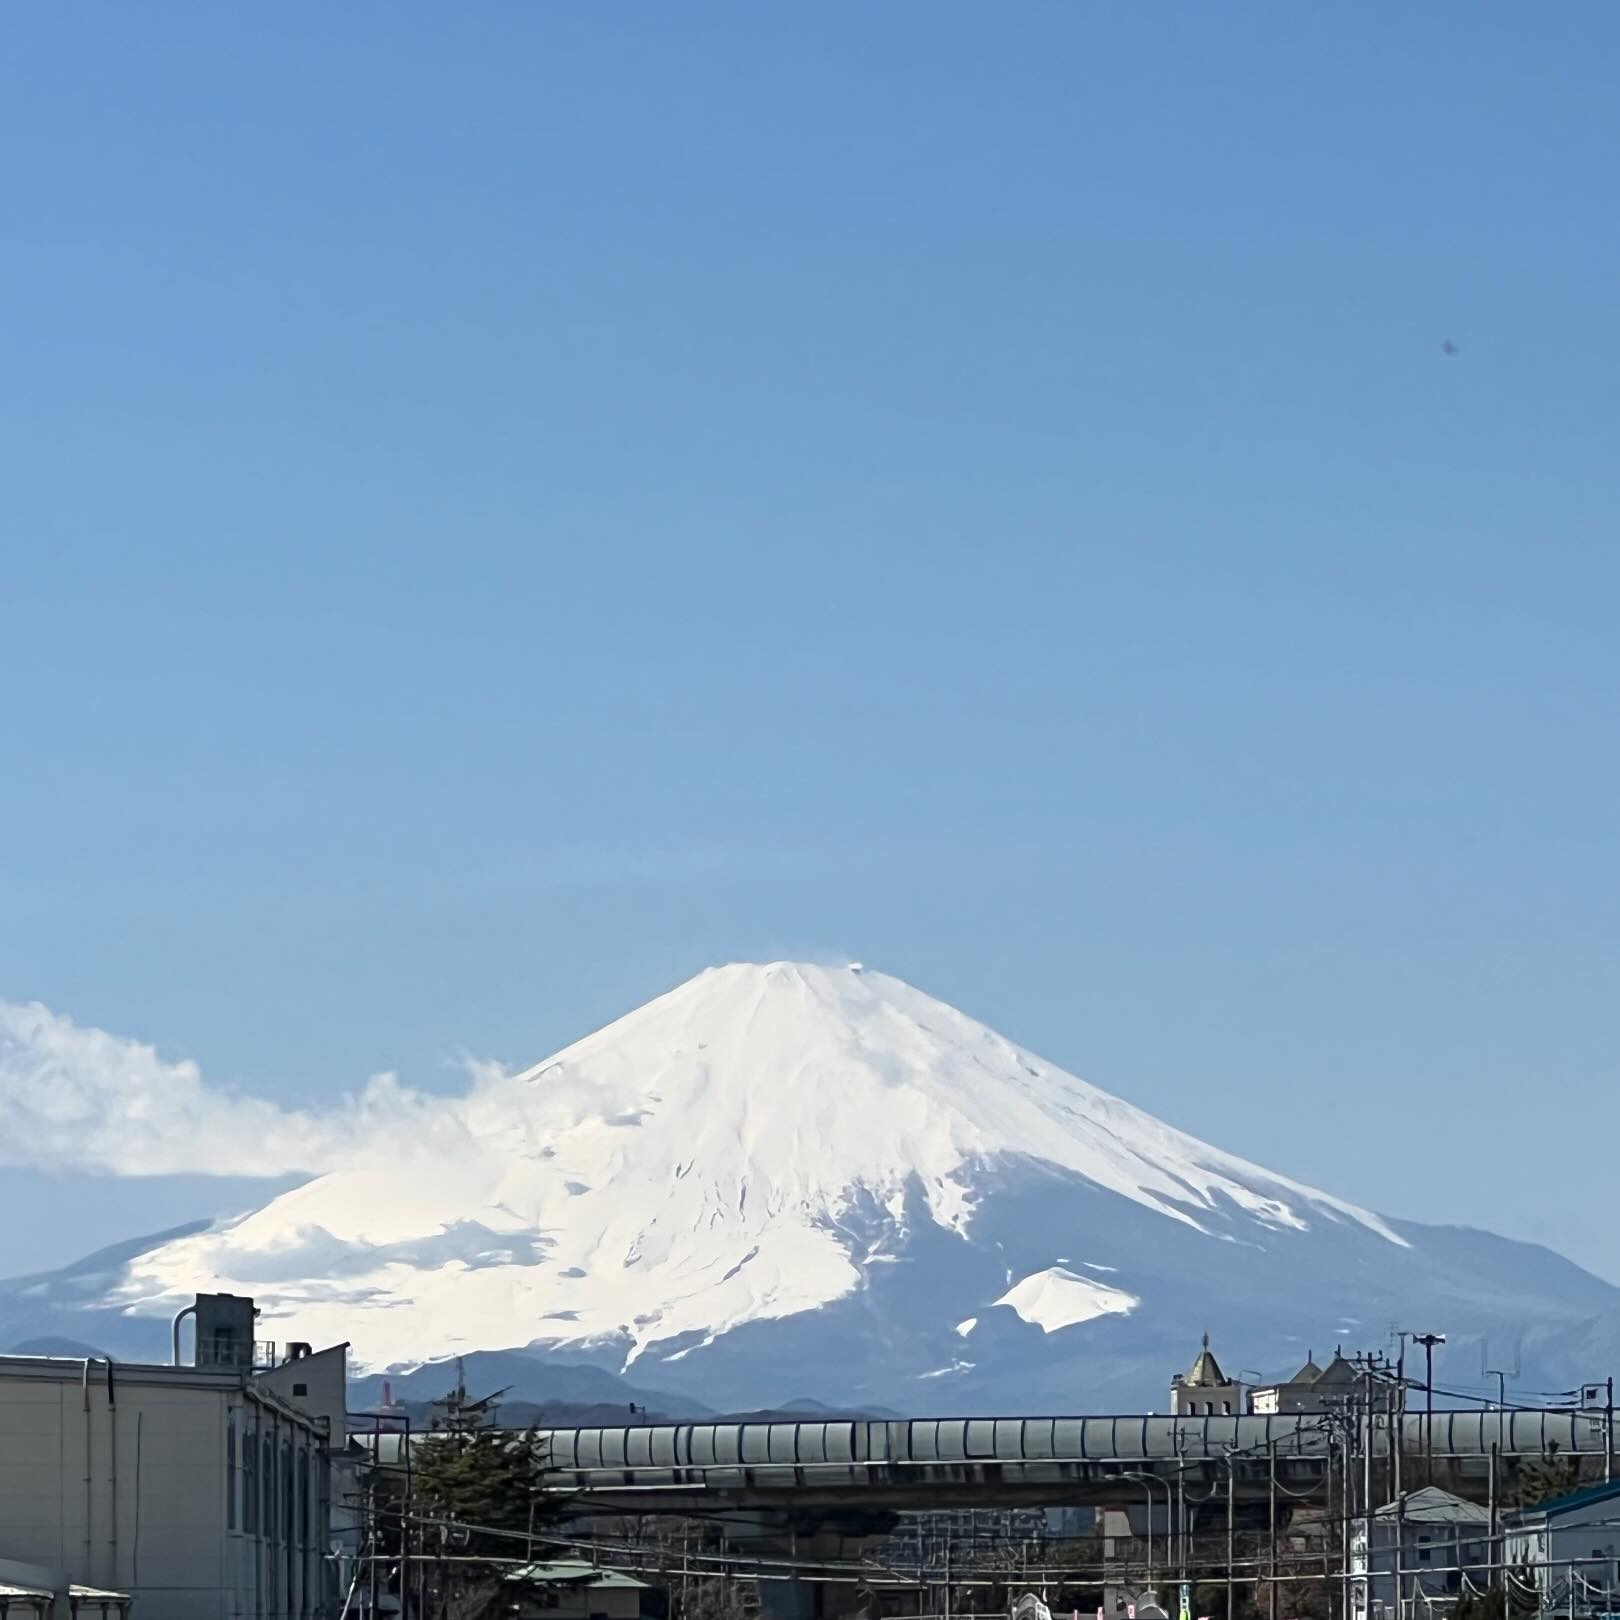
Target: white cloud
(76, 1098)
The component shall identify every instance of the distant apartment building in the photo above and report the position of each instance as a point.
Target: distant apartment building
(199, 1492)
(1205, 1391)
(1311, 1389)
(1290, 1395)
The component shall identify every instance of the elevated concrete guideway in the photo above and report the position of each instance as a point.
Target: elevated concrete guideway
(962, 1462)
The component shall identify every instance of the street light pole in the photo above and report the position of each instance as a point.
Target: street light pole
(1147, 1481)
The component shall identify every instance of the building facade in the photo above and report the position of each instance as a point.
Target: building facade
(1291, 1395)
(1422, 1553)
(201, 1492)
(1567, 1552)
(1311, 1389)
(32, 1592)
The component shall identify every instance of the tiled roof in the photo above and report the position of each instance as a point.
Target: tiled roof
(1431, 1505)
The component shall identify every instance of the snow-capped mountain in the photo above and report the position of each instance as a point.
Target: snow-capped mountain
(820, 1179)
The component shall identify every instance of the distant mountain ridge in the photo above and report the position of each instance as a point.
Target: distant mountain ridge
(537, 1388)
(792, 1177)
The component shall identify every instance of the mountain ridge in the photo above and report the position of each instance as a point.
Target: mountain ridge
(784, 1175)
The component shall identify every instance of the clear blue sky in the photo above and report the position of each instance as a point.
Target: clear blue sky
(504, 507)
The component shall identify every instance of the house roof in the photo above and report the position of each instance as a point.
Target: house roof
(1431, 1505)
(1308, 1374)
(575, 1572)
(1205, 1372)
(1569, 1503)
(1339, 1372)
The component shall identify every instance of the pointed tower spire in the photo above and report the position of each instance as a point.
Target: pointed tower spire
(1205, 1372)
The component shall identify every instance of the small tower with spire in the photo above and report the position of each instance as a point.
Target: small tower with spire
(1205, 1391)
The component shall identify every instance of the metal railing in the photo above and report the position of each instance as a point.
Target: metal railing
(233, 1350)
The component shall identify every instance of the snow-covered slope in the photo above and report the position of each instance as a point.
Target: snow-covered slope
(820, 1177)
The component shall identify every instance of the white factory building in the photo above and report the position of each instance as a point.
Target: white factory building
(218, 1490)
(1565, 1553)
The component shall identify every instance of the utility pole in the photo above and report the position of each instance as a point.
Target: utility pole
(1363, 1431)
(1181, 1513)
(1231, 1507)
(1492, 1542)
(1362, 1420)
(1367, 1455)
(1271, 1585)
(1397, 1421)
(1149, 1490)
(405, 1528)
(1608, 1435)
(1397, 1445)
(1349, 1504)
(371, 1587)
(1428, 1341)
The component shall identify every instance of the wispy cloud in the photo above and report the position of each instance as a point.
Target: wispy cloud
(77, 1098)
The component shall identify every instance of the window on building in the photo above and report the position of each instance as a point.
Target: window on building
(267, 1486)
(1226, 1408)
(250, 1484)
(230, 1473)
(300, 1389)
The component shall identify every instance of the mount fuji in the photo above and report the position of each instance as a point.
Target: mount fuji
(784, 1178)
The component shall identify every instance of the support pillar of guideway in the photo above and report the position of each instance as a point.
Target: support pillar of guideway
(819, 1539)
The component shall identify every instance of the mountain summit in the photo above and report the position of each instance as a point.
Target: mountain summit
(785, 1174)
